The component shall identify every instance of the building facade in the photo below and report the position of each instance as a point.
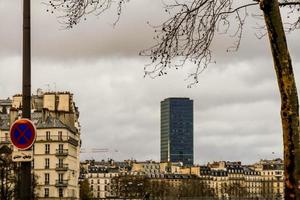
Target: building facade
(56, 149)
(217, 180)
(176, 142)
(102, 176)
(148, 167)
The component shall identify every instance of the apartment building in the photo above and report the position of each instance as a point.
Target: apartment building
(217, 180)
(101, 175)
(5, 106)
(148, 167)
(272, 177)
(57, 147)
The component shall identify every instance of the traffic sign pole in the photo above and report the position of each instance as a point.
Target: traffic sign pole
(25, 171)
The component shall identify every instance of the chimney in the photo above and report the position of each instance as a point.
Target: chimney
(45, 114)
(13, 115)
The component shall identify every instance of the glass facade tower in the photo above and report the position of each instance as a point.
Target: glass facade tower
(176, 131)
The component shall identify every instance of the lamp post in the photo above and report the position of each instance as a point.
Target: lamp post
(25, 172)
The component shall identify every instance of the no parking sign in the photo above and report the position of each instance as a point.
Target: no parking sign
(22, 134)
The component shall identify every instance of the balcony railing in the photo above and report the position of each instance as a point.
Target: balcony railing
(4, 140)
(57, 138)
(61, 152)
(61, 183)
(62, 167)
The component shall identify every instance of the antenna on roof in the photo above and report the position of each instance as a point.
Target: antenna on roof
(48, 87)
(39, 92)
(55, 86)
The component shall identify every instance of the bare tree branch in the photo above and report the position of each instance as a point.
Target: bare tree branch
(70, 12)
(188, 35)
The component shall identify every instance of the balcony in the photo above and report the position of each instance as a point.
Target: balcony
(73, 141)
(56, 138)
(62, 167)
(61, 152)
(61, 183)
(4, 140)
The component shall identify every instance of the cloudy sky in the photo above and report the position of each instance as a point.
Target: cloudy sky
(236, 103)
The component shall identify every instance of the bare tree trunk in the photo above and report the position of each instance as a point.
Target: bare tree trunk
(2, 183)
(289, 97)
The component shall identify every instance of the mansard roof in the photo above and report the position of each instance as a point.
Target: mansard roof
(52, 122)
(4, 122)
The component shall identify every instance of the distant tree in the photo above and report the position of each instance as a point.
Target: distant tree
(130, 186)
(85, 192)
(34, 186)
(236, 191)
(7, 174)
(143, 187)
(7, 180)
(164, 188)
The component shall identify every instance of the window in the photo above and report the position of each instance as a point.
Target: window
(47, 178)
(60, 177)
(60, 163)
(47, 163)
(60, 135)
(61, 192)
(46, 192)
(61, 148)
(48, 135)
(47, 148)
(6, 137)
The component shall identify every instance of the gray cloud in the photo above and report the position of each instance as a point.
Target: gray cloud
(96, 38)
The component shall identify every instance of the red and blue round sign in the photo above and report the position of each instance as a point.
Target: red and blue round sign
(22, 134)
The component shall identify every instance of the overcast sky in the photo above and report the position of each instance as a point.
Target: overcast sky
(236, 103)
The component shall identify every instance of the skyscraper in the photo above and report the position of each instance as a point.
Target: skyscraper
(176, 131)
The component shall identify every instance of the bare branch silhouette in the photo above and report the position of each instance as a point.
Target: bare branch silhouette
(187, 35)
(70, 12)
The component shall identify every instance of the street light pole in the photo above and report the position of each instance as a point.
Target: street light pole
(25, 172)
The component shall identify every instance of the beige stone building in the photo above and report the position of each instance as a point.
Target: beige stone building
(272, 177)
(100, 180)
(57, 146)
(232, 180)
(5, 106)
(100, 176)
(148, 167)
(217, 180)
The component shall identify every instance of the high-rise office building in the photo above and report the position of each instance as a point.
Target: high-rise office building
(176, 127)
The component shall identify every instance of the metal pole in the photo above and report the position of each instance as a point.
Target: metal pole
(25, 172)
